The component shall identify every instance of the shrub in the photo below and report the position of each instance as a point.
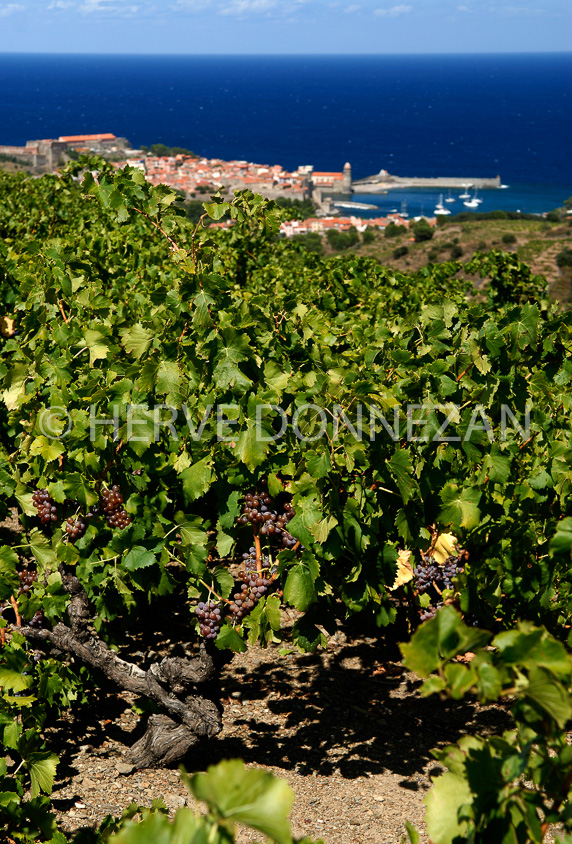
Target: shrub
(163, 149)
(392, 230)
(482, 246)
(194, 210)
(368, 236)
(456, 252)
(352, 235)
(513, 787)
(564, 258)
(400, 251)
(342, 240)
(508, 238)
(422, 231)
(335, 238)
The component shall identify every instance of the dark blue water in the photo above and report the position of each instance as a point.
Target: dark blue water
(452, 115)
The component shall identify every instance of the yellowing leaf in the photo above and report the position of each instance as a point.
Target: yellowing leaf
(446, 546)
(16, 385)
(404, 570)
(6, 326)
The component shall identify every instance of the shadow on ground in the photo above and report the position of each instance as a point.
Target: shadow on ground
(336, 714)
(342, 719)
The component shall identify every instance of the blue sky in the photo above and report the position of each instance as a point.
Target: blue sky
(285, 26)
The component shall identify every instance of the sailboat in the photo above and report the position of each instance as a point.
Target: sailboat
(440, 208)
(474, 202)
(450, 198)
(465, 195)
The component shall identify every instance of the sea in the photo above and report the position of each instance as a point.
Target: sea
(412, 115)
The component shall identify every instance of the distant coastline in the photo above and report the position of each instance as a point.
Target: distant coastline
(188, 173)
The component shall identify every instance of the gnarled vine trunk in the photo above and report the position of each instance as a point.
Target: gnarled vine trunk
(171, 683)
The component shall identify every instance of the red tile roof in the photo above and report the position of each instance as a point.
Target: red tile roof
(106, 136)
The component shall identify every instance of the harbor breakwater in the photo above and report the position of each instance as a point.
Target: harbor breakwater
(384, 182)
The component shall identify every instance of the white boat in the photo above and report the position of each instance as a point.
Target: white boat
(450, 198)
(503, 186)
(440, 208)
(465, 195)
(474, 202)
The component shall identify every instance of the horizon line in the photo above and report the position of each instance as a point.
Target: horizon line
(289, 54)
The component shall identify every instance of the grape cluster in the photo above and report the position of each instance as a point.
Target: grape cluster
(35, 656)
(37, 621)
(249, 563)
(254, 587)
(430, 612)
(76, 528)
(45, 506)
(452, 567)
(433, 579)
(27, 579)
(426, 574)
(257, 511)
(112, 505)
(209, 618)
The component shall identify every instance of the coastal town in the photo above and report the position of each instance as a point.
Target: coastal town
(195, 177)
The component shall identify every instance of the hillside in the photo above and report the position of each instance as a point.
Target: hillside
(537, 243)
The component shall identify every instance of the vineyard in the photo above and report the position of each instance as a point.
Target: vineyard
(285, 446)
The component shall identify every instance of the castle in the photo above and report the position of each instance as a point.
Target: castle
(48, 154)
